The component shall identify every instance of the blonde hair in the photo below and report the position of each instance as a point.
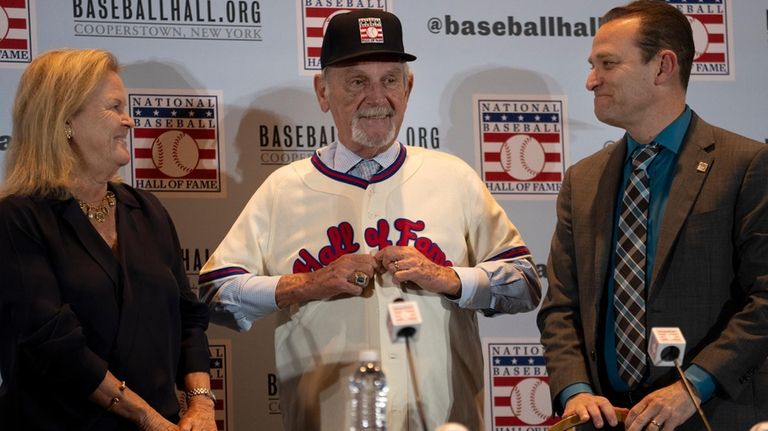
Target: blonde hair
(40, 160)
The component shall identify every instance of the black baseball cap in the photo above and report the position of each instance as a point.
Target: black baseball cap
(363, 33)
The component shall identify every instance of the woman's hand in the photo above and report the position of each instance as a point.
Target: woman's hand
(199, 415)
(153, 421)
(118, 398)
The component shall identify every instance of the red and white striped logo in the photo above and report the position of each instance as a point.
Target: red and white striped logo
(15, 39)
(521, 141)
(175, 142)
(371, 30)
(710, 22)
(519, 386)
(313, 19)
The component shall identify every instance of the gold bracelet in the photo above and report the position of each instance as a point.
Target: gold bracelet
(206, 392)
(116, 398)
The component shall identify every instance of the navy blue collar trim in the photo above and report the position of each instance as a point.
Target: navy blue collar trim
(359, 182)
(512, 253)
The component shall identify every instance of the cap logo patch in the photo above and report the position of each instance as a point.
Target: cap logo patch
(370, 30)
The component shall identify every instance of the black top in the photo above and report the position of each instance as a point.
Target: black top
(70, 310)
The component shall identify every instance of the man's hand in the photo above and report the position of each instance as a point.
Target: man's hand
(406, 264)
(664, 409)
(588, 406)
(335, 279)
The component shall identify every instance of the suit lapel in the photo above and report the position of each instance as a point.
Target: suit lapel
(685, 188)
(604, 209)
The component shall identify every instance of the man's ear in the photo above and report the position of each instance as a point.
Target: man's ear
(320, 93)
(410, 86)
(669, 68)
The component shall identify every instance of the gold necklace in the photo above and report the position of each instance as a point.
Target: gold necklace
(99, 212)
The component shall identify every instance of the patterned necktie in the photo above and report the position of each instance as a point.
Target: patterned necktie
(365, 169)
(629, 274)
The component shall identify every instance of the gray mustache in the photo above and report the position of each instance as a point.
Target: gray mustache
(376, 111)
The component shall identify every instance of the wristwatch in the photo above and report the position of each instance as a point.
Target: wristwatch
(201, 391)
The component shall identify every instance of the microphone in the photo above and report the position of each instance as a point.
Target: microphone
(666, 349)
(403, 319)
(667, 345)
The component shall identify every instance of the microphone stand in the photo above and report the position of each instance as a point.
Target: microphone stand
(673, 353)
(407, 333)
(690, 394)
(412, 368)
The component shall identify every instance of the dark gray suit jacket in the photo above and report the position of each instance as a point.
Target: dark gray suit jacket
(710, 277)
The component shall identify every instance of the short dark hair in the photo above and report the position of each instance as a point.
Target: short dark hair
(662, 26)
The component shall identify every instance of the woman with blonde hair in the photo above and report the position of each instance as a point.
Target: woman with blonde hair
(98, 323)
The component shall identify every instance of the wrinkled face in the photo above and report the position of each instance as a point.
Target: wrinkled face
(367, 101)
(99, 129)
(621, 81)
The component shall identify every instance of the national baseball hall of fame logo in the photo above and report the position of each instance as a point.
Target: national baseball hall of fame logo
(519, 386)
(221, 383)
(313, 17)
(711, 24)
(15, 35)
(175, 141)
(521, 141)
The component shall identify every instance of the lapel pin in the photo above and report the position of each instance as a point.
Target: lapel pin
(702, 167)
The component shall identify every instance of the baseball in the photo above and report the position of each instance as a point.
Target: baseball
(522, 157)
(3, 23)
(700, 37)
(175, 153)
(530, 401)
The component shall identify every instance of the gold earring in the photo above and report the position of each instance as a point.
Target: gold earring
(68, 131)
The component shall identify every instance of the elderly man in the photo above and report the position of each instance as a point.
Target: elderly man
(329, 242)
(667, 227)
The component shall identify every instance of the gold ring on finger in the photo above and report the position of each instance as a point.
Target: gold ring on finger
(360, 278)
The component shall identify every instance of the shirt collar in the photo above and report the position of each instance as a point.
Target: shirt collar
(670, 138)
(344, 159)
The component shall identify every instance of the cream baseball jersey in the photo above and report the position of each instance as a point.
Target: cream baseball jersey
(306, 215)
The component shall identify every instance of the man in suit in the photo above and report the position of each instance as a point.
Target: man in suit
(697, 253)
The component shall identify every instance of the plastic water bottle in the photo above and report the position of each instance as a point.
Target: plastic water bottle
(368, 394)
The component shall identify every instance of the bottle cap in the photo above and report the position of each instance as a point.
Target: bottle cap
(451, 426)
(369, 356)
